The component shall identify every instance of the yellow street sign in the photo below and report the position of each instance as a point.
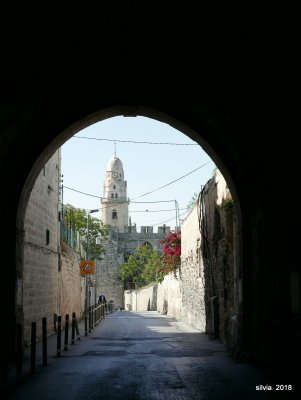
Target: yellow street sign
(87, 267)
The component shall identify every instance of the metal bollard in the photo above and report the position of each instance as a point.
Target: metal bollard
(96, 315)
(86, 325)
(73, 328)
(33, 347)
(54, 322)
(44, 340)
(66, 331)
(90, 318)
(77, 330)
(59, 331)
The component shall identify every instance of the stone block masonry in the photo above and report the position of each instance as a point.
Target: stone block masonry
(51, 281)
(71, 288)
(203, 291)
(107, 280)
(41, 249)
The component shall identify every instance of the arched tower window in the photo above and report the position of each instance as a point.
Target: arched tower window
(114, 214)
(116, 195)
(147, 244)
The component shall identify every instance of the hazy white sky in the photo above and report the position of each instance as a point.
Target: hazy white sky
(146, 167)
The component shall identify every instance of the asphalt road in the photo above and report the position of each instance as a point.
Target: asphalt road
(145, 356)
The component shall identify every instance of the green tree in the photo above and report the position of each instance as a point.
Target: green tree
(142, 267)
(76, 218)
(151, 269)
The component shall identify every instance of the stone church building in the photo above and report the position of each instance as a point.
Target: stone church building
(123, 238)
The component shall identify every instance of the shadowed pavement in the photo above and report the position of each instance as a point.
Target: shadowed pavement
(145, 356)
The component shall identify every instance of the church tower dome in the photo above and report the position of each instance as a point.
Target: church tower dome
(114, 202)
(115, 167)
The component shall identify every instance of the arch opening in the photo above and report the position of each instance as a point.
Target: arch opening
(90, 120)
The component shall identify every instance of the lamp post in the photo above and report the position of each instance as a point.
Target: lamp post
(87, 298)
(97, 237)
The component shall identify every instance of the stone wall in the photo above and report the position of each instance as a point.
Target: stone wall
(130, 240)
(71, 285)
(118, 246)
(107, 281)
(217, 251)
(51, 276)
(41, 249)
(191, 273)
(144, 299)
(203, 289)
(169, 300)
(180, 296)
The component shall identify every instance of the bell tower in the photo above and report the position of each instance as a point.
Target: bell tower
(114, 203)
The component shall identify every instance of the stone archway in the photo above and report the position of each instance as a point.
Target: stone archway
(101, 115)
(147, 244)
(229, 79)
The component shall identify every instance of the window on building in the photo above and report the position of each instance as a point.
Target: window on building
(126, 256)
(116, 195)
(112, 195)
(147, 244)
(114, 214)
(114, 187)
(47, 236)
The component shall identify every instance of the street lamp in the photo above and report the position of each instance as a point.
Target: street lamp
(87, 299)
(178, 221)
(98, 242)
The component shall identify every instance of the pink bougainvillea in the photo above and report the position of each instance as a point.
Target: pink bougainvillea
(172, 252)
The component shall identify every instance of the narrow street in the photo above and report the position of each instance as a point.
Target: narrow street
(136, 355)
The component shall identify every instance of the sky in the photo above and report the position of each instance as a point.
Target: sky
(147, 167)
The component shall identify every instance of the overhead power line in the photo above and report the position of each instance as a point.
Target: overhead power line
(145, 194)
(181, 177)
(158, 201)
(168, 220)
(152, 211)
(136, 142)
(78, 191)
